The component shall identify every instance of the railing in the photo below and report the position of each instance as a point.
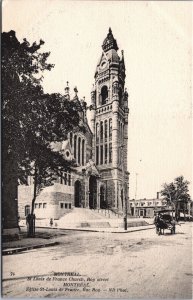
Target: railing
(109, 212)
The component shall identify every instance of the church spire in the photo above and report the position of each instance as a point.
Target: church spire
(109, 42)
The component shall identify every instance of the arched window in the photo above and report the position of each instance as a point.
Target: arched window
(110, 129)
(61, 179)
(79, 142)
(104, 94)
(122, 197)
(106, 153)
(110, 153)
(121, 131)
(65, 178)
(77, 194)
(83, 150)
(101, 132)
(71, 139)
(97, 133)
(69, 179)
(101, 154)
(75, 140)
(105, 130)
(120, 95)
(97, 155)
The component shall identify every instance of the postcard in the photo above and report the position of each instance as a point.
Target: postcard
(96, 149)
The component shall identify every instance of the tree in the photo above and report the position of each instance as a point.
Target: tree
(175, 193)
(58, 116)
(31, 121)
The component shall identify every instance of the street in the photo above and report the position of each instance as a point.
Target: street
(106, 265)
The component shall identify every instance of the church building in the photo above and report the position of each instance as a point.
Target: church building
(101, 179)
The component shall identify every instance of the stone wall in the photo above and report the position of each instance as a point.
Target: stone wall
(53, 201)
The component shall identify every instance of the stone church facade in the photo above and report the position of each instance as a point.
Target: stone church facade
(101, 179)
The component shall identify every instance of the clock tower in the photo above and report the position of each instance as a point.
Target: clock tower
(109, 124)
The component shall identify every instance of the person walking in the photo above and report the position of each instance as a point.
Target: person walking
(51, 222)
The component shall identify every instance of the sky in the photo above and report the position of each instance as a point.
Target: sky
(156, 38)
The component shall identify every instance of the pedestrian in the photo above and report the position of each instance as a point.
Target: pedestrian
(156, 221)
(51, 222)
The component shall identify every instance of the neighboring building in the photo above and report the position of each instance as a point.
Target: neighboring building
(101, 179)
(146, 207)
(190, 207)
(186, 207)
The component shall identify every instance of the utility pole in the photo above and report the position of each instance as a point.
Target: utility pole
(171, 202)
(136, 186)
(136, 174)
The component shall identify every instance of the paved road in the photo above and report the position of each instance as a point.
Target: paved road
(89, 264)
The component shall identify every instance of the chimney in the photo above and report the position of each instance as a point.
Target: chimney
(157, 195)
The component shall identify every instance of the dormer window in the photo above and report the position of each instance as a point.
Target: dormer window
(104, 94)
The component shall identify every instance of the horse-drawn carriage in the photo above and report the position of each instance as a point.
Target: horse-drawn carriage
(164, 220)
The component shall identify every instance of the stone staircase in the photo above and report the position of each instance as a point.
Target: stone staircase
(82, 218)
(92, 218)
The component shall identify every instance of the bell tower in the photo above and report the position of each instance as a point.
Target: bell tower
(109, 123)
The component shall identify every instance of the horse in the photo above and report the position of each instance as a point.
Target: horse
(164, 222)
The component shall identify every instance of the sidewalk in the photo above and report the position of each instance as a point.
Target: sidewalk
(24, 243)
(41, 240)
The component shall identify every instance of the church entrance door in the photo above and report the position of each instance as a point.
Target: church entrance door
(93, 192)
(77, 194)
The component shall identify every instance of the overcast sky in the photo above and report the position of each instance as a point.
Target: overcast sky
(156, 38)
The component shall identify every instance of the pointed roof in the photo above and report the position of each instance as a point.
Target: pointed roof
(91, 168)
(109, 42)
(64, 147)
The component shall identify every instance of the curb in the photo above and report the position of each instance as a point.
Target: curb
(95, 230)
(141, 229)
(17, 250)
